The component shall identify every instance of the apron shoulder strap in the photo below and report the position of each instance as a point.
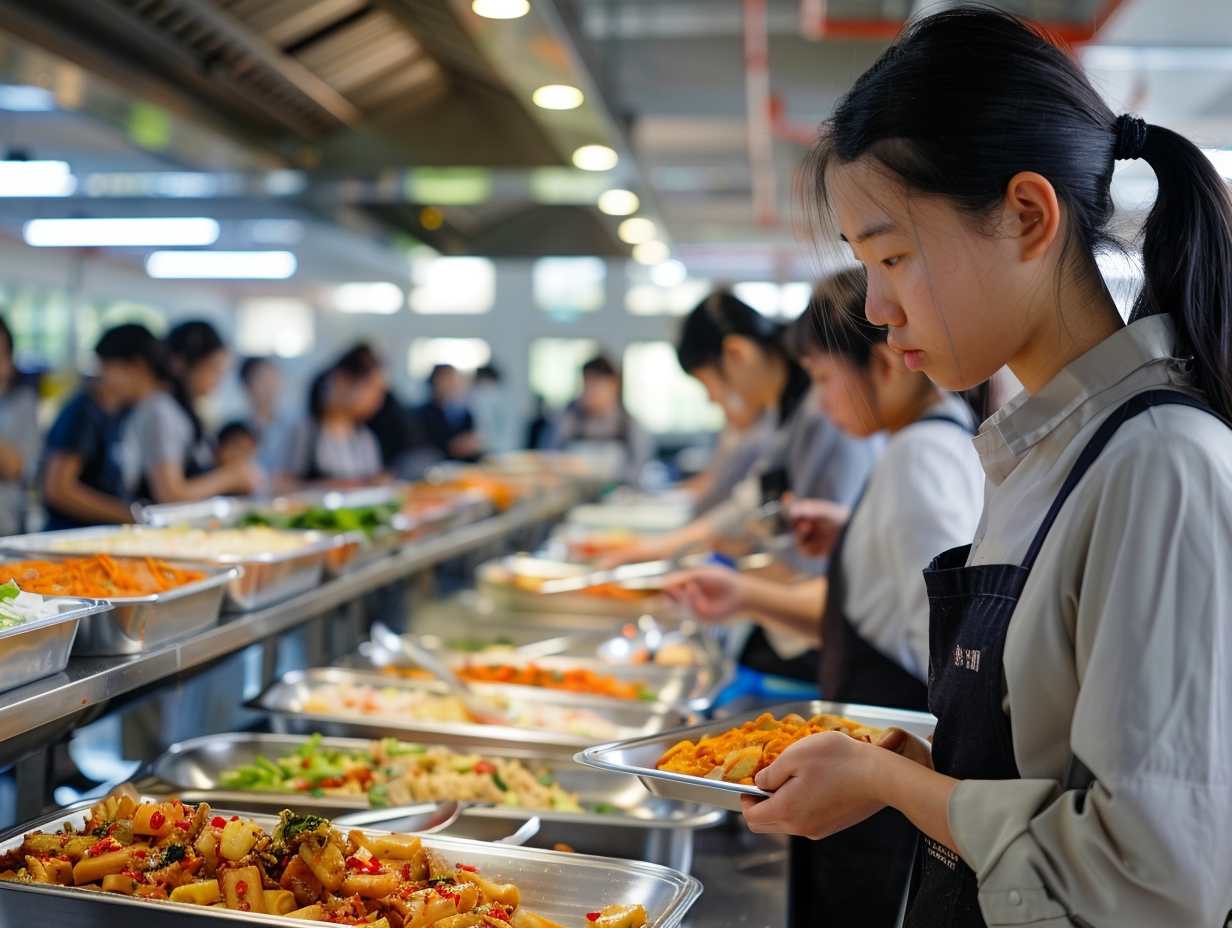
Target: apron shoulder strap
(1134, 406)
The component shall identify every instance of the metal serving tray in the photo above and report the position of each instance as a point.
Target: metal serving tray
(135, 623)
(41, 647)
(640, 755)
(266, 578)
(642, 827)
(285, 701)
(491, 579)
(562, 887)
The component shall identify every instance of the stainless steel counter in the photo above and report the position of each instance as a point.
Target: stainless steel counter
(41, 711)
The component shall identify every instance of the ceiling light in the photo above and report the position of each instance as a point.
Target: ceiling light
(26, 98)
(148, 231)
(36, 179)
(557, 97)
(233, 265)
(636, 230)
(669, 274)
(380, 297)
(501, 9)
(619, 202)
(595, 158)
(652, 252)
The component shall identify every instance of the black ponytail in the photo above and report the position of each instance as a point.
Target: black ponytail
(719, 315)
(965, 99)
(188, 344)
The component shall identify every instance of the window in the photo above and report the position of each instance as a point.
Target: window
(662, 290)
(778, 301)
(282, 326)
(41, 321)
(565, 287)
(466, 354)
(663, 397)
(556, 367)
(452, 286)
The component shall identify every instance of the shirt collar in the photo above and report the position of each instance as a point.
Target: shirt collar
(1006, 437)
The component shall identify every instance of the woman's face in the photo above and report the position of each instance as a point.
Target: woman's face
(739, 413)
(124, 381)
(956, 298)
(366, 395)
(845, 393)
(204, 377)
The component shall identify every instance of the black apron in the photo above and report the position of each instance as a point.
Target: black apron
(970, 612)
(856, 877)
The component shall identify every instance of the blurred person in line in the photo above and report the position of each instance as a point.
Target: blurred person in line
(167, 455)
(741, 443)
(236, 442)
(333, 443)
(447, 416)
(596, 424)
(270, 423)
(540, 422)
(19, 438)
(496, 421)
(406, 451)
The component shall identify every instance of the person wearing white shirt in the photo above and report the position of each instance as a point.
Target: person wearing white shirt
(1080, 773)
(869, 615)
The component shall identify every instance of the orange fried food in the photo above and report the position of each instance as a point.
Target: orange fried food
(576, 680)
(98, 577)
(738, 755)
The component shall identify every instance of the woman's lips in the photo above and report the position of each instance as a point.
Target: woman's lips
(913, 358)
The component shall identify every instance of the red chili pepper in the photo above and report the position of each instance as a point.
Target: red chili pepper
(66, 857)
(132, 876)
(138, 854)
(241, 888)
(467, 867)
(218, 821)
(183, 825)
(484, 766)
(157, 820)
(354, 863)
(330, 783)
(406, 872)
(102, 847)
(593, 916)
(235, 818)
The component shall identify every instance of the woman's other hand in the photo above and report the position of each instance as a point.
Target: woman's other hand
(816, 523)
(711, 593)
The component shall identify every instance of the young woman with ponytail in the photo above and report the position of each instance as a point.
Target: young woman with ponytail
(1079, 648)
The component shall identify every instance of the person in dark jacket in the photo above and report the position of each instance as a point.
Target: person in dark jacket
(447, 418)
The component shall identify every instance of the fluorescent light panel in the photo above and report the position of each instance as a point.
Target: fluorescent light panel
(36, 179)
(221, 265)
(98, 233)
(379, 297)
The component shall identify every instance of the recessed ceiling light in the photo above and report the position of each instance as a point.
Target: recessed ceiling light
(595, 158)
(557, 97)
(652, 252)
(636, 230)
(36, 179)
(669, 274)
(619, 202)
(138, 232)
(501, 9)
(228, 265)
(379, 297)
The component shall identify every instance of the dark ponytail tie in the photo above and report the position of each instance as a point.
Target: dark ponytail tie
(1130, 138)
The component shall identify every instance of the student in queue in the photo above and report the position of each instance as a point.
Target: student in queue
(333, 442)
(167, 455)
(446, 417)
(1079, 773)
(739, 356)
(869, 615)
(269, 422)
(598, 425)
(19, 438)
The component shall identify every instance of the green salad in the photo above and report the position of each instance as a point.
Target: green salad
(320, 518)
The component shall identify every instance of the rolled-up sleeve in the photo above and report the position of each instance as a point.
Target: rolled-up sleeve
(1145, 588)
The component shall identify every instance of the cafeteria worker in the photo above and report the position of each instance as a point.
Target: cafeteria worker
(869, 615)
(1081, 769)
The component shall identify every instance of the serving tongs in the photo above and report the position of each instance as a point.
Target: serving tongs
(442, 814)
(482, 710)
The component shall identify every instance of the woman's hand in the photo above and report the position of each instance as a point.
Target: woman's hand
(907, 745)
(816, 523)
(712, 593)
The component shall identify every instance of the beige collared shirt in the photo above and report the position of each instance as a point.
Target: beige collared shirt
(1120, 651)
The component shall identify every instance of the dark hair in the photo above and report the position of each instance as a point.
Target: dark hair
(719, 315)
(234, 430)
(357, 363)
(599, 366)
(488, 372)
(965, 99)
(250, 366)
(132, 342)
(190, 343)
(438, 370)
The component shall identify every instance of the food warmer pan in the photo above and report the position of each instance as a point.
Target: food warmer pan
(40, 647)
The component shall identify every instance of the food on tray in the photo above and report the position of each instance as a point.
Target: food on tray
(18, 607)
(98, 577)
(425, 705)
(306, 869)
(199, 543)
(738, 755)
(367, 519)
(572, 680)
(394, 773)
(593, 546)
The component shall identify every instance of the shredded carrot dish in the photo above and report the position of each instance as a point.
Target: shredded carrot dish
(98, 577)
(573, 680)
(738, 755)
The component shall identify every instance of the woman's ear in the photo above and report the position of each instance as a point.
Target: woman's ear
(1032, 213)
(736, 350)
(885, 365)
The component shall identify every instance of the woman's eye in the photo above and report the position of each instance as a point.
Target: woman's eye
(890, 262)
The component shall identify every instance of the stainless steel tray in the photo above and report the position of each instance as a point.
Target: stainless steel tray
(41, 648)
(285, 700)
(136, 623)
(266, 578)
(562, 887)
(491, 578)
(640, 755)
(642, 827)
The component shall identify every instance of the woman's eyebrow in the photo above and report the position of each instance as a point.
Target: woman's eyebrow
(871, 232)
